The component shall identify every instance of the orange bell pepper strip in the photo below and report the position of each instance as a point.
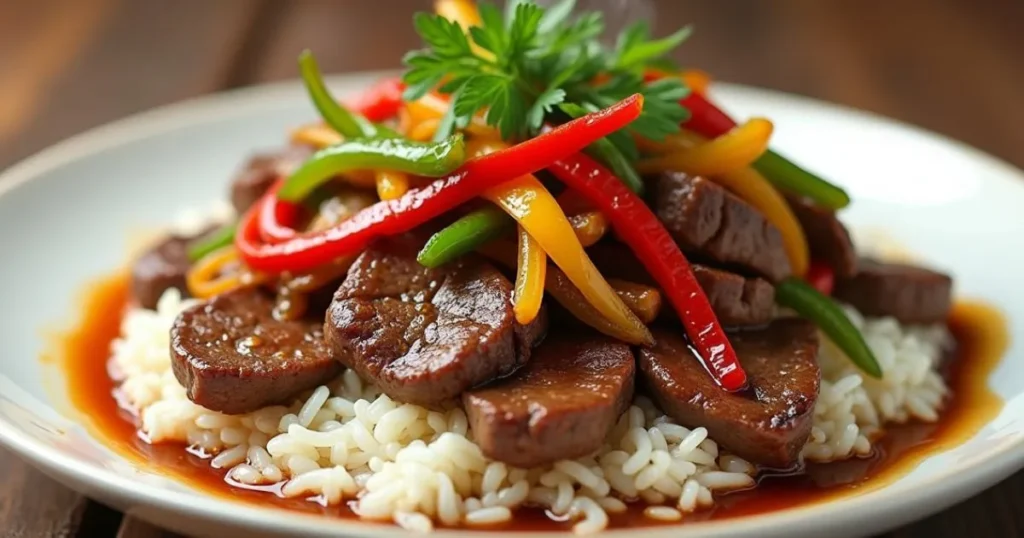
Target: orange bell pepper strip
(531, 273)
(734, 150)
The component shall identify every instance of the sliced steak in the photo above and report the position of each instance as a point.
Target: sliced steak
(561, 405)
(736, 300)
(907, 293)
(232, 356)
(769, 423)
(260, 171)
(710, 222)
(161, 268)
(426, 335)
(828, 238)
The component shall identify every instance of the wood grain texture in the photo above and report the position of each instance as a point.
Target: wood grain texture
(66, 65)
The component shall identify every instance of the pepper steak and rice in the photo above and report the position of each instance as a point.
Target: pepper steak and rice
(535, 271)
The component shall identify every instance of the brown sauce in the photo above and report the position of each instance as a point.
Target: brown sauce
(981, 340)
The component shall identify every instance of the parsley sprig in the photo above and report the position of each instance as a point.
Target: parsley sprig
(519, 65)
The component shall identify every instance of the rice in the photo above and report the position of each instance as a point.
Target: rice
(345, 441)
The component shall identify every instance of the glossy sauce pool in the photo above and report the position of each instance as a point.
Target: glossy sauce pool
(981, 340)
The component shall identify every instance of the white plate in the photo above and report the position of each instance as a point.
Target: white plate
(65, 215)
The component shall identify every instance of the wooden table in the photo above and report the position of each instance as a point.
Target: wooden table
(67, 65)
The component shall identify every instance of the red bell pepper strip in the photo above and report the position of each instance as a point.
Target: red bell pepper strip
(381, 102)
(277, 218)
(390, 217)
(639, 228)
(821, 277)
(705, 118)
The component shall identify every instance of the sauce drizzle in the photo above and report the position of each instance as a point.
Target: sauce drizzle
(979, 329)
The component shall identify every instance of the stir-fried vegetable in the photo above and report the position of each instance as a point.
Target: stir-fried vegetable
(710, 121)
(381, 102)
(590, 227)
(733, 150)
(605, 151)
(430, 159)
(416, 207)
(526, 200)
(531, 271)
(216, 240)
(639, 228)
(830, 318)
(219, 271)
(465, 235)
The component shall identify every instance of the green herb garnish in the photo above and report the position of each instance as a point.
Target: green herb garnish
(529, 60)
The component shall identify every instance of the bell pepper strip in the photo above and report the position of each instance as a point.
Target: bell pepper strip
(434, 106)
(218, 272)
(753, 188)
(419, 158)
(789, 177)
(708, 120)
(424, 130)
(589, 226)
(801, 296)
(734, 150)
(533, 207)
(639, 228)
(343, 121)
(643, 300)
(603, 150)
(216, 240)
(463, 12)
(389, 217)
(821, 277)
(381, 102)
(531, 272)
(538, 213)
(391, 184)
(562, 290)
(464, 236)
(318, 136)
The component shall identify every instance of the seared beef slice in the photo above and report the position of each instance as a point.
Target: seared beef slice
(426, 335)
(907, 293)
(766, 424)
(710, 222)
(161, 268)
(561, 405)
(232, 356)
(827, 237)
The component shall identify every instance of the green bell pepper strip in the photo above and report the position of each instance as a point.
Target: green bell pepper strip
(348, 124)
(605, 151)
(789, 177)
(800, 296)
(215, 240)
(428, 159)
(465, 235)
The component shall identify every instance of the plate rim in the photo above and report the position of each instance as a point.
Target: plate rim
(933, 494)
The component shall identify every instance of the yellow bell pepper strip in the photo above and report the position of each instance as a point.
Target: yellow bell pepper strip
(531, 272)
(218, 272)
(752, 187)
(391, 184)
(536, 210)
(561, 289)
(424, 130)
(527, 201)
(317, 135)
(643, 300)
(463, 12)
(736, 149)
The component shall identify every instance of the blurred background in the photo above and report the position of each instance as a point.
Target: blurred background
(952, 66)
